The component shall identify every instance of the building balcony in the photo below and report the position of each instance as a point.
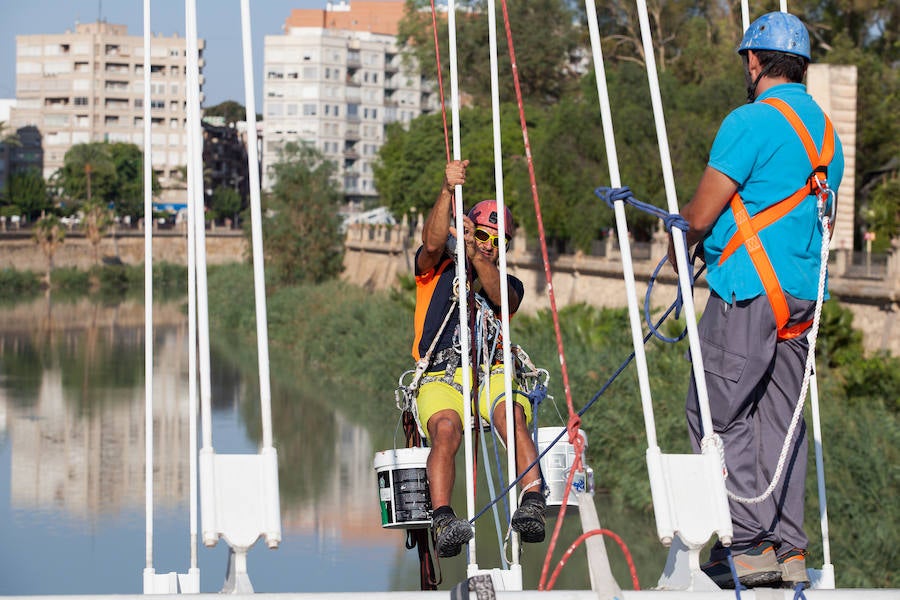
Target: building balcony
(352, 134)
(350, 154)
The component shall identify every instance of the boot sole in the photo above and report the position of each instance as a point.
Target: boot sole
(452, 543)
(760, 579)
(530, 531)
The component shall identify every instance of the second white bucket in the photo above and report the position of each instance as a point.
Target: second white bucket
(555, 465)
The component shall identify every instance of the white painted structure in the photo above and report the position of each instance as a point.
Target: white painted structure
(334, 80)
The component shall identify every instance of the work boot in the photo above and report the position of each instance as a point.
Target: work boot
(757, 567)
(528, 520)
(793, 568)
(450, 533)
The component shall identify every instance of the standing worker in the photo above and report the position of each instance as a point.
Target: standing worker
(439, 403)
(774, 168)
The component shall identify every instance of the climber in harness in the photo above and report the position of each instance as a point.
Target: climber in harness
(773, 172)
(438, 398)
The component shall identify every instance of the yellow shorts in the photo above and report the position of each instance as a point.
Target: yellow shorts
(436, 396)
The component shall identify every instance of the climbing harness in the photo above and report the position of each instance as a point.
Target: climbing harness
(748, 227)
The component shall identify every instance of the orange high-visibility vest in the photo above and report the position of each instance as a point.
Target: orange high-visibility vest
(748, 227)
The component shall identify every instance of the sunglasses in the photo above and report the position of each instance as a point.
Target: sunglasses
(483, 235)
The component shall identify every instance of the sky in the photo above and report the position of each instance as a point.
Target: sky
(218, 23)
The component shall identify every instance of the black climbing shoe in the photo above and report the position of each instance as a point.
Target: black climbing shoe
(528, 520)
(450, 533)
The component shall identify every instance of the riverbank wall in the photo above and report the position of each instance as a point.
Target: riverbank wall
(377, 256)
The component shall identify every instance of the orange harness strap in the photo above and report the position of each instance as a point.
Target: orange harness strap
(748, 227)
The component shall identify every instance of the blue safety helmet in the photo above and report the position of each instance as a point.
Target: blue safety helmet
(778, 31)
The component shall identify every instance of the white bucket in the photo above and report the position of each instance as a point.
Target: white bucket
(555, 465)
(403, 488)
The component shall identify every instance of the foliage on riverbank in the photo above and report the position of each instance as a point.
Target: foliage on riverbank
(346, 347)
(105, 283)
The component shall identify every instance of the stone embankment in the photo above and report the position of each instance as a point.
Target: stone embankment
(376, 255)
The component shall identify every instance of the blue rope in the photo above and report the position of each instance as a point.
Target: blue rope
(610, 196)
(798, 591)
(734, 576)
(623, 194)
(581, 412)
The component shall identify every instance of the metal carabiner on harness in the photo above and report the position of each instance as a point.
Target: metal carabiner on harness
(826, 199)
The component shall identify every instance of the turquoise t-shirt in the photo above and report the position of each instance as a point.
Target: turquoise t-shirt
(758, 148)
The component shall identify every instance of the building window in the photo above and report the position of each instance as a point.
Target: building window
(80, 101)
(309, 110)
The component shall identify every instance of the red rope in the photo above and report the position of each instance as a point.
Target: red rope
(574, 419)
(437, 58)
(580, 540)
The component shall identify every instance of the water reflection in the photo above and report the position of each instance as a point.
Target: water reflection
(72, 467)
(72, 449)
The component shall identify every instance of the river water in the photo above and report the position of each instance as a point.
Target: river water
(72, 503)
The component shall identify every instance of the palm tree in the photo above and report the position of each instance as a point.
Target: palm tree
(8, 139)
(49, 233)
(96, 221)
(88, 159)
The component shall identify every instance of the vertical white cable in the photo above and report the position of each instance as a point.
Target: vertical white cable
(504, 289)
(745, 14)
(783, 6)
(195, 163)
(827, 568)
(148, 297)
(622, 227)
(259, 281)
(462, 282)
(684, 275)
(192, 336)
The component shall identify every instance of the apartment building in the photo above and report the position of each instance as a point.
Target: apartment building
(335, 79)
(87, 85)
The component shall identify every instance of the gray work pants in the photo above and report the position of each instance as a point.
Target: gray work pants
(753, 382)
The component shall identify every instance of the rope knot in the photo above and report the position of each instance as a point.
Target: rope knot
(675, 220)
(610, 195)
(572, 427)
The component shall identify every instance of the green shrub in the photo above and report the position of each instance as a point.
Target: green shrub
(17, 286)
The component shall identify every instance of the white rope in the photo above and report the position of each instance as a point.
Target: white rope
(148, 299)
(634, 318)
(810, 365)
(259, 283)
(502, 226)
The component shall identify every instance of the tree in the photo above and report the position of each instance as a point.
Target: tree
(545, 41)
(27, 192)
(225, 203)
(95, 222)
(229, 110)
(301, 230)
(88, 171)
(127, 193)
(49, 234)
(882, 214)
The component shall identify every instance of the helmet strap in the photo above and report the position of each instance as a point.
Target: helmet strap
(752, 85)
